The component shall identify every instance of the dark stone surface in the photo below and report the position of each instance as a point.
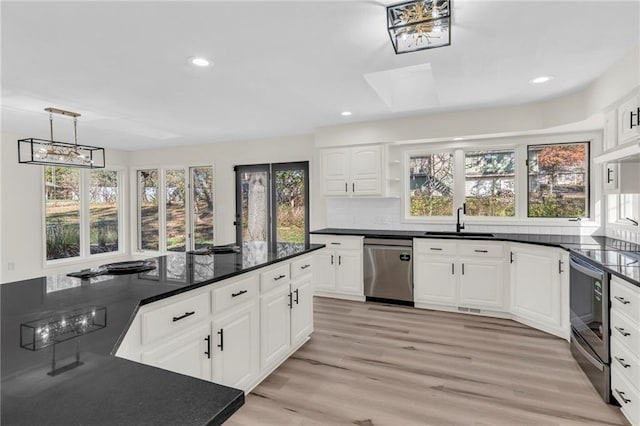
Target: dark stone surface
(106, 389)
(572, 243)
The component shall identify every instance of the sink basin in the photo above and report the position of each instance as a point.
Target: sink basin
(458, 234)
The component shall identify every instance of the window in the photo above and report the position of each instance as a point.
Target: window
(103, 211)
(272, 203)
(175, 208)
(558, 180)
(81, 212)
(490, 183)
(431, 185)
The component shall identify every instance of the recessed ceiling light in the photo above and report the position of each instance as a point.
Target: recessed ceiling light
(200, 62)
(458, 139)
(541, 79)
(345, 113)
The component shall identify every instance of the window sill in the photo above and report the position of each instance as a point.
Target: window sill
(52, 264)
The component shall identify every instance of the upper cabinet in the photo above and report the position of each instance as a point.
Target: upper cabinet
(610, 130)
(629, 119)
(352, 171)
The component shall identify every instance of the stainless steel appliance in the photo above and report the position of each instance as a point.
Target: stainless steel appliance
(388, 272)
(589, 295)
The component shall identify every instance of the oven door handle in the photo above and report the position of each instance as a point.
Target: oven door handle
(589, 272)
(587, 355)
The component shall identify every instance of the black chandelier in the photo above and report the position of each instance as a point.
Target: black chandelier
(419, 25)
(52, 153)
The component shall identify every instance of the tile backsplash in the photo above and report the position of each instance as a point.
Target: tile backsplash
(624, 234)
(385, 213)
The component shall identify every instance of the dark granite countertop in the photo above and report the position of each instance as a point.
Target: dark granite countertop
(107, 389)
(567, 242)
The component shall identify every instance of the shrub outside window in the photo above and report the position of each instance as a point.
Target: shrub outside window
(62, 212)
(103, 211)
(490, 183)
(558, 180)
(431, 185)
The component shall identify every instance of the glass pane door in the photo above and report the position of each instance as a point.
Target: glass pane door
(175, 206)
(202, 218)
(290, 195)
(252, 205)
(148, 210)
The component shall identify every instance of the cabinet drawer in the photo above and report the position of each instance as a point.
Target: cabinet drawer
(481, 250)
(300, 267)
(274, 277)
(625, 394)
(625, 298)
(235, 293)
(173, 316)
(627, 364)
(626, 332)
(338, 241)
(434, 247)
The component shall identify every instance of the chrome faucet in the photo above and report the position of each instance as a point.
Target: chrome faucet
(460, 226)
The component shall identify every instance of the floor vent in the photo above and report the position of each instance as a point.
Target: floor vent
(475, 311)
(461, 309)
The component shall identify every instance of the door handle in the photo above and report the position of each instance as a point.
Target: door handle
(463, 269)
(186, 314)
(208, 351)
(560, 262)
(622, 331)
(332, 259)
(621, 362)
(511, 257)
(279, 277)
(621, 395)
(481, 251)
(290, 304)
(609, 171)
(353, 187)
(621, 300)
(221, 345)
(346, 187)
(339, 260)
(297, 295)
(453, 269)
(241, 292)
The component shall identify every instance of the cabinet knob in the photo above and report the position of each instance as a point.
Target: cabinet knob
(621, 300)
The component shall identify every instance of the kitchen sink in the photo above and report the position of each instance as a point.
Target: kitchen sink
(458, 234)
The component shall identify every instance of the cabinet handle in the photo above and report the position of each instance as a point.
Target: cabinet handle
(435, 248)
(560, 270)
(510, 257)
(346, 187)
(208, 351)
(631, 114)
(186, 314)
(335, 244)
(635, 222)
(621, 362)
(609, 171)
(339, 260)
(621, 300)
(221, 345)
(481, 251)
(353, 187)
(290, 304)
(621, 331)
(621, 395)
(453, 268)
(279, 277)
(305, 266)
(332, 259)
(241, 292)
(297, 295)
(463, 269)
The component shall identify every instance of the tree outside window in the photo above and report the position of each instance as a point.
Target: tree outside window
(431, 185)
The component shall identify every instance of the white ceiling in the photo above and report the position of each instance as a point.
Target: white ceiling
(281, 68)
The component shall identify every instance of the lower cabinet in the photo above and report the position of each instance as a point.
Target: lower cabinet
(235, 346)
(185, 354)
(338, 267)
(434, 279)
(482, 283)
(540, 288)
(275, 325)
(301, 310)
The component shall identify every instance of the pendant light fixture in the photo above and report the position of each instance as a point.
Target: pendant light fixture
(52, 153)
(419, 24)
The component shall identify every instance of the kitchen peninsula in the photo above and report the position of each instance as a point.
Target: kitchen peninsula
(106, 389)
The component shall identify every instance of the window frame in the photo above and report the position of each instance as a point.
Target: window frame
(85, 220)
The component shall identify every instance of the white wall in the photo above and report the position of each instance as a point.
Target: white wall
(224, 157)
(21, 219)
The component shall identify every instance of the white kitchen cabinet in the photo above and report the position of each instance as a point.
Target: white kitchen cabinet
(622, 178)
(301, 309)
(352, 171)
(629, 119)
(235, 346)
(186, 354)
(540, 288)
(610, 137)
(338, 267)
(275, 326)
(463, 274)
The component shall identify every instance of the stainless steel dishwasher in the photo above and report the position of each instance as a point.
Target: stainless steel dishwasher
(388, 271)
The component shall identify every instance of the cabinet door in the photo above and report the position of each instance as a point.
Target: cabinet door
(335, 171)
(610, 139)
(348, 266)
(185, 355)
(628, 120)
(481, 283)
(366, 170)
(434, 280)
(275, 326)
(611, 178)
(235, 346)
(302, 310)
(324, 270)
(536, 293)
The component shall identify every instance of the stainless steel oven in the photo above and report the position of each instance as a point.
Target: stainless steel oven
(589, 294)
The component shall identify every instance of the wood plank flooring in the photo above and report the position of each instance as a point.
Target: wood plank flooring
(373, 364)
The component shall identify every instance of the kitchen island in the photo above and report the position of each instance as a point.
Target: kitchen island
(105, 389)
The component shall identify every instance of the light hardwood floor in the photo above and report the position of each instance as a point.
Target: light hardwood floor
(373, 364)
